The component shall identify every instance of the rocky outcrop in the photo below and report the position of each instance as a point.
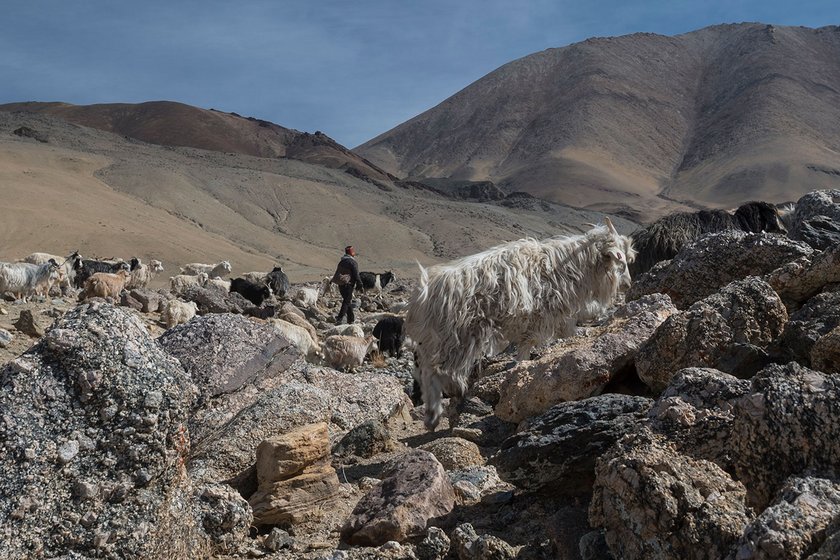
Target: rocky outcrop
(657, 503)
(728, 330)
(807, 326)
(556, 453)
(715, 260)
(414, 490)
(94, 442)
(800, 280)
(816, 220)
(696, 412)
(296, 481)
(787, 424)
(471, 546)
(795, 524)
(582, 366)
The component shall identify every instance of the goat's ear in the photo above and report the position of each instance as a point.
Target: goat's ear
(615, 255)
(610, 225)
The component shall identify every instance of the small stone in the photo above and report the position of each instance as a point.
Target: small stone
(142, 477)
(466, 493)
(101, 539)
(85, 490)
(88, 519)
(434, 546)
(5, 338)
(68, 451)
(29, 453)
(278, 539)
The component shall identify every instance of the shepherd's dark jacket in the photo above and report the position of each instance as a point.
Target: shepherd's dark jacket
(347, 272)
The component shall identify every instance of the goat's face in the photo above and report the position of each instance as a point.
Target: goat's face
(616, 261)
(226, 266)
(156, 266)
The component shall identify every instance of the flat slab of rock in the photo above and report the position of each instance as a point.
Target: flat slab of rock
(581, 366)
(556, 453)
(414, 490)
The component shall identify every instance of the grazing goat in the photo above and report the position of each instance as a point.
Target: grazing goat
(376, 281)
(212, 270)
(663, 239)
(255, 293)
(105, 284)
(351, 329)
(299, 337)
(296, 319)
(67, 267)
(143, 274)
(180, 283)
(347, 352)
(389, 332)
(278, 282)
(306, 297)
(523, 292)
(89, 267)
(22, 279)
(177, 312)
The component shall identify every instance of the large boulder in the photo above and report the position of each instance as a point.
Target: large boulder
(696, 412)
(657, 503)
(296, 480)
(795, 524)
(728, 330)
(816, 220)
(800, 280)
(414, 490)
(214, 301)
(807, 326)
(232, 359)
(713, 261)
(556, 453)
(94, 441)
(581, 366)
(788, 423)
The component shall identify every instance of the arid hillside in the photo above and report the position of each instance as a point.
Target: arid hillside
(66, 187)
(710, 118)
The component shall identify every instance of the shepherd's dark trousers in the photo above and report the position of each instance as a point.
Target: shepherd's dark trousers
(346, 292)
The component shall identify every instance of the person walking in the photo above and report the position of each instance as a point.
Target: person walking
(347, 277)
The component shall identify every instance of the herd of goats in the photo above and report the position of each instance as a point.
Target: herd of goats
(521, 293)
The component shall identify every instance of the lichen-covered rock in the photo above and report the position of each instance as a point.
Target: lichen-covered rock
(455, 453)
(726, 331)
(794, 525)
(556, 452)
(414, 490)
(582, 366)
(434, 546)
(696, 413)
(825, 354)
(471, 546)
(296, 481)
(93, 440)
(800, 280)
(787, 423)
(713, 261)
(365, 440)
(657, 503)
(815, 218)
(816, 319)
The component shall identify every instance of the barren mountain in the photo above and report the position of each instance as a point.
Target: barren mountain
(67, 187)
(175, 124)
(710, 118)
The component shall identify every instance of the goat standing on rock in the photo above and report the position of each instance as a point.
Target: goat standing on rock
(523, 292)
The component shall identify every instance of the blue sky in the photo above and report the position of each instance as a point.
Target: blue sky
(352, 69)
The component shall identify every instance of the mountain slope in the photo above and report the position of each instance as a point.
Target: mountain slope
(712, 118)
(169, 123)
(107, 195)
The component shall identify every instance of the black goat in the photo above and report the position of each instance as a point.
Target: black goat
(255, 293)
(89, 267)
(278, 282)
(663, 239)
(376, 280)
(389, 332)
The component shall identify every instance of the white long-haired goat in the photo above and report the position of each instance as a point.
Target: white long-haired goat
(523, 292)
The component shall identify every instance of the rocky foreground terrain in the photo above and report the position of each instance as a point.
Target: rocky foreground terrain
(699, 419)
